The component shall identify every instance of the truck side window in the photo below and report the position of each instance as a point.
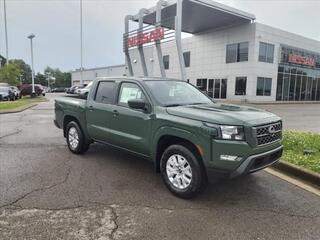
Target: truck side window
(105, 92)
(128, 92)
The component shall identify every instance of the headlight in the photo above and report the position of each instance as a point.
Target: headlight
(232, 132)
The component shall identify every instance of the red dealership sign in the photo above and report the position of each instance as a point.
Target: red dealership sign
(143, 38)
(298, 59)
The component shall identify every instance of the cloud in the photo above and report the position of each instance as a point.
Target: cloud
(56, 26)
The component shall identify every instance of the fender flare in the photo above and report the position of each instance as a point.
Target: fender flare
(171, 131)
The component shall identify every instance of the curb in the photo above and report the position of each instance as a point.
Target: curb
(19, 109)
(299, 172)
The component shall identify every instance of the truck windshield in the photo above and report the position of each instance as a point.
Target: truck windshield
(176, 93)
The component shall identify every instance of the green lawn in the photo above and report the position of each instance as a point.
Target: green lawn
(12, 105)
(295, 143)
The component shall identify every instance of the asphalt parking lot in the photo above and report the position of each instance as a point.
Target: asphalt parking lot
(303, 117)
(46, 192)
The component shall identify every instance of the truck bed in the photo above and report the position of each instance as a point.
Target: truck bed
(69, 106)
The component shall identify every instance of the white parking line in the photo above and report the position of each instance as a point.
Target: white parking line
(293, 181)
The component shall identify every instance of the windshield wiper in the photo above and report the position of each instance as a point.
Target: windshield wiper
(199, 103)
(173, 105)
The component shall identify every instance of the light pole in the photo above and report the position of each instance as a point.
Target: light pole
(21, 79)
(81, 49)
(31, 36)
(6, 30)
(48, 79)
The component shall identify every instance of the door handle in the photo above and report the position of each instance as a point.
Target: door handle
(90, 108)
(115, 113)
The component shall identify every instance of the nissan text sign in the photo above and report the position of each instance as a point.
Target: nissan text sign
(298, 59)
(143, 38)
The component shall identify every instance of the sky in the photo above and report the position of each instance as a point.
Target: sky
(56, 24)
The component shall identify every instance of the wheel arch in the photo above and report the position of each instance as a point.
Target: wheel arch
(170, 136)
(68, 118)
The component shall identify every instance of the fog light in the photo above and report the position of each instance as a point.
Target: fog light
(229, 158)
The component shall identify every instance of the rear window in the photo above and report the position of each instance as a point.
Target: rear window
(105, 92)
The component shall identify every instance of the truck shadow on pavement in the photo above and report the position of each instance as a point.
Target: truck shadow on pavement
(128, 179)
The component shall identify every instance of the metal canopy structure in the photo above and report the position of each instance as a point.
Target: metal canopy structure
(191, 16)
(200, 15)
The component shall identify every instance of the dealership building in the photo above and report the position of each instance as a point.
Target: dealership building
(229, 55)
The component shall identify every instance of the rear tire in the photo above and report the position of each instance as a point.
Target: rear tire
(182, 171)
(77, 143)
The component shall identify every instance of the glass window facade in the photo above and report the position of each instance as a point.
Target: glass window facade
(186, 56)
(243, 49)
(232, 50)
(202, 84)
(166, 61)
(215, 88)
(241, 86)
(237, 52)
(298, 75)
(264, 86)
(298, 84)
(266, 52)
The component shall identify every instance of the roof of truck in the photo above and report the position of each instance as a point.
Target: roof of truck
(136, 78)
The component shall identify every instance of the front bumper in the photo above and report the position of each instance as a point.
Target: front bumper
(257, 162)
(56, 124)
(4, 97)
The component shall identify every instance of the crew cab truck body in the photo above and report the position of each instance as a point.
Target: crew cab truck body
(170, 122)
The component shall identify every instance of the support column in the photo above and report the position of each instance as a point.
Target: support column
(178, 23)
(160, 4)
(140, 47)
(125, 43)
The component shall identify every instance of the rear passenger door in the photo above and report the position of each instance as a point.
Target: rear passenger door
(99, 110)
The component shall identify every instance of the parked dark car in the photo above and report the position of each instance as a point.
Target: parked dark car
(6, 94)
(26, 89)
(16, 91)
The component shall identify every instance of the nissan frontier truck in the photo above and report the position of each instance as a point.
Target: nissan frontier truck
(186, 134)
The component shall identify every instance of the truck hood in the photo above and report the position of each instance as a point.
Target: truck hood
(227, 114)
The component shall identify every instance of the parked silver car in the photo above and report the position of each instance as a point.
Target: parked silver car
(83, 92)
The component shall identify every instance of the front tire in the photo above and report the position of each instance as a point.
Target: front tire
(76, 140)
(182, 171)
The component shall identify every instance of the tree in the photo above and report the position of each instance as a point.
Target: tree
(10, 74)
(63, 79)
(2, 61)
(40, 79)
(25, 70)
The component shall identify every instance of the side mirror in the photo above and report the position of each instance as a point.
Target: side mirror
(137, 104)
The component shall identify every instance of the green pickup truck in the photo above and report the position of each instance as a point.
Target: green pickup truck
(183, 132)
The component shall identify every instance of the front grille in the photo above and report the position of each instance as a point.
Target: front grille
(269, 133)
